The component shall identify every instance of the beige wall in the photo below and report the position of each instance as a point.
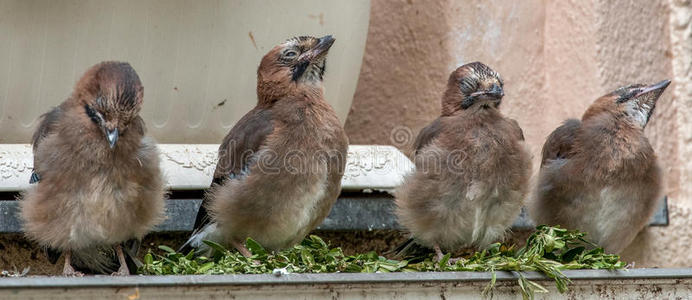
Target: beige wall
(556, 57)
(197, 60)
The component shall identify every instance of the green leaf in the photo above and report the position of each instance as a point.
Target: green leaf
(443, 263)
(525, 292)
(307, 258)
(571, 254)
(205, 267)
(537, 288)
(319, 241)
(255, 248)
(548, 250)
(167, 249)
(217, 247)
(490, 287)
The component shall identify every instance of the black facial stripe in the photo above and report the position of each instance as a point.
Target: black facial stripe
(627, 96)
(93, 114)
(626, 93)
(323, 67)
(299, 69)
(468, 101)
(651, 112)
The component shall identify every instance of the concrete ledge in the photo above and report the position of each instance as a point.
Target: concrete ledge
(639, 283)
(327, 278)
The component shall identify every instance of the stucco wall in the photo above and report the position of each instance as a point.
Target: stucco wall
(556, 57)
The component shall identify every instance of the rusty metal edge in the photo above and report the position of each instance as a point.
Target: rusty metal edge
(34, 282)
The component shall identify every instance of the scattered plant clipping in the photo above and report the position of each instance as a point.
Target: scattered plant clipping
(548, 250)
(14, 273)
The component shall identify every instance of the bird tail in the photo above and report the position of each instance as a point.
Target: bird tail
(52, 254)
(95, 260)
(411, 250)
(101, 260)
(196, 240)
(402, 249)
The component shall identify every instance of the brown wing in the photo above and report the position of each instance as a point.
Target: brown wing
(519, 132)
(559, 142)
(237, 150)
(241, 143)
(45, 127)
(426, 135)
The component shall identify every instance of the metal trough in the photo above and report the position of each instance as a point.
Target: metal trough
(586, 284)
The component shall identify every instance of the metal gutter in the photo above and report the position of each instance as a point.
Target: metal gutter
(35, 282)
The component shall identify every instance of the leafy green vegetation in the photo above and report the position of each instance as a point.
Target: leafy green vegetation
(548, 250)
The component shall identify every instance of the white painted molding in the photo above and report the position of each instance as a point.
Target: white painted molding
(191, 166)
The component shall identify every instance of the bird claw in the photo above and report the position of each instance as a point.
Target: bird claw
(438, 252)
(451, 261)
(120, 273)
(123, 270)
(440, 255)
(242, 249)
(69, 271)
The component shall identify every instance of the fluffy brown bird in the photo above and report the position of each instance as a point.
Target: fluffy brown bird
(280, 167)
(472, 167)
(600, 174)
(97, 176)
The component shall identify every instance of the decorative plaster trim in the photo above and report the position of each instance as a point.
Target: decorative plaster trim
(191, 166)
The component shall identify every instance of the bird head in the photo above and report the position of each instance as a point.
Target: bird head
(297, 62)
(635, 103)
(110, 96)
(472, 85)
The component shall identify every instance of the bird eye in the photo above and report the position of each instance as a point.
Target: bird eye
(627, 95)
(467, 85)
(94, 115)
(290, 54)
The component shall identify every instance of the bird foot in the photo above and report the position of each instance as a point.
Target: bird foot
(67, 269)
(123, 271)
(450, 262)
(242, 249)
(438, 252)
(70, 272)
(439, 255)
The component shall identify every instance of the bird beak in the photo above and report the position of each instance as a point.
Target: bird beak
(320, 50)
(495, 92)
(645, 99)
(657, 88)
(112, 137)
